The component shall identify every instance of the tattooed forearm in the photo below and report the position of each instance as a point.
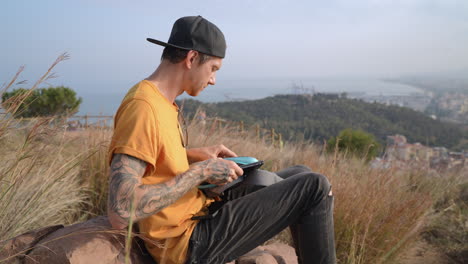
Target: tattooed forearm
(157, 197)
(126, 189)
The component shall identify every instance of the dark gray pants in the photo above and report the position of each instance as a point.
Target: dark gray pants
(261, 207)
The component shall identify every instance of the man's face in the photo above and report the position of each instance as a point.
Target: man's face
(203, 75)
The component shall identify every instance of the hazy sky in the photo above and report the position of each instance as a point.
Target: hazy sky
(266, 39)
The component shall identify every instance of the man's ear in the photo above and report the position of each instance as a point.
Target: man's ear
(192, 57)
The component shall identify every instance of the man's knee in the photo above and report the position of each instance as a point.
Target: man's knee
(318, 183)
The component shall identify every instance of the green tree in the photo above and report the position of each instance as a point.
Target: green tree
(355, 142)
(51, 101)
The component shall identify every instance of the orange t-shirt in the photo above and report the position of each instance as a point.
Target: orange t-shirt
(146, 127)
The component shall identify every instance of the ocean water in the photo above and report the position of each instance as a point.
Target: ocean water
(107, 103)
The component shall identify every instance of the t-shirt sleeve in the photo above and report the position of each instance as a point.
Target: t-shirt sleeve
(135, 132)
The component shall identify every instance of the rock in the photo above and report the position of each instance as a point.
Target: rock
(261, 258)
(13, 250)
(286, 252)
(276, 253)
(93, 241)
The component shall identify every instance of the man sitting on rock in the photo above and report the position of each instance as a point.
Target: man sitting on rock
(154, 177)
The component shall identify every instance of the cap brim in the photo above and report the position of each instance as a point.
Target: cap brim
(158, 42)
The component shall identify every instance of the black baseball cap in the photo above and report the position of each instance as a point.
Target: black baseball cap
(195, 33)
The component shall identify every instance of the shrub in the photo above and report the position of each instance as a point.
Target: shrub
(355, 142)
(53, 101)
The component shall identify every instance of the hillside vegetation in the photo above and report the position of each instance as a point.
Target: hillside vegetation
(51, 176)
(319, 117)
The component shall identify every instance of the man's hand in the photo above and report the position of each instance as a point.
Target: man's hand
(212, 152)
(217, 171)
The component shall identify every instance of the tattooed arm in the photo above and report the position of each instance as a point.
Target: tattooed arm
(129, 198)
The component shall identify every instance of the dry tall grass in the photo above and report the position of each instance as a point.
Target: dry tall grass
(49, 175)
(36, 186)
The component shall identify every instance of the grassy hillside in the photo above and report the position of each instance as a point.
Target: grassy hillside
(322, 116)
(50, 176)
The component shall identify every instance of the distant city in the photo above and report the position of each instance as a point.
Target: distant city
(452, 106)
(399, 153)
(440, 99)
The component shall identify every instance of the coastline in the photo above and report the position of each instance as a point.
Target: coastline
(240, 90)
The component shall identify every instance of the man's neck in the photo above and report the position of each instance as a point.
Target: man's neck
(169, 80)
